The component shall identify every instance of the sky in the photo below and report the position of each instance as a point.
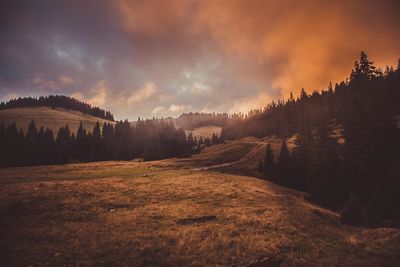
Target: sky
(165, 57)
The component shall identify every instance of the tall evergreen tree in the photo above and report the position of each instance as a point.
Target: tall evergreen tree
(96, 149)
(283, 166)
(364, 69)
(63, 141)
(32, 143)
(269, 163)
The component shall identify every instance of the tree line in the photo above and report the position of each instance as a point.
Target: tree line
(360, 176)
(59, 101)
(147, 139)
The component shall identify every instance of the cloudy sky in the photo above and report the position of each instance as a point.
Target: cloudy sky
(161, 58)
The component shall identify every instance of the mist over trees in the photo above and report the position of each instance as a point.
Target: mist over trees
(359, 175)
(148, 139)
(59, 101)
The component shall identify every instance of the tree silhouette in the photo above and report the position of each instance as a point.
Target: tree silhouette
(269, 163)
(283, 166)
(364, 69)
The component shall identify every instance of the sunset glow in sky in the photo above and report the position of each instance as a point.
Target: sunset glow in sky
(161, 58)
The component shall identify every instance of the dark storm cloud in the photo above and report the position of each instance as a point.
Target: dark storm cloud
(164, 57)
(50, 38)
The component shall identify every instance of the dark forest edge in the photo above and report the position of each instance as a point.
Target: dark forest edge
(360, 175)
(58, 101)
(147, 139)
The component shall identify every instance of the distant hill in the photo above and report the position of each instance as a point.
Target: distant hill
(204, 131)
(53, 118)
(57, 101)
(192, 120)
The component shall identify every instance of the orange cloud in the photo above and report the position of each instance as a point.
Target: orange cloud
(209, 55)
(285, 45)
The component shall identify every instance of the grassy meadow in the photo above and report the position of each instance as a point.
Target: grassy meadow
(48, 117)
(165, 213)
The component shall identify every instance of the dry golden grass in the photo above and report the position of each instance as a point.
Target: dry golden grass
(48, 117)
(148, 214)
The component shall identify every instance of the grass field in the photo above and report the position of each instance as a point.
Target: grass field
(165, 213)
(48, 117)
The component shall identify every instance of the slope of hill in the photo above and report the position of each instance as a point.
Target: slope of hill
(57, 101)
(239, 156)
(53, 118)
(204, 131)
(140, 214)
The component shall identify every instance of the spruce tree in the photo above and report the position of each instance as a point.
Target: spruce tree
(364, 69)
(32, 143)
(269, 163)
(96, 148)
(283, 166)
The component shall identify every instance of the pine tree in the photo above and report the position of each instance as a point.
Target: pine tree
(81, 146)
(363, 70)
(214, 139)
(303, 94)
(48, 147)
(63, 141)
(269, 163)
(291, 98)
(326, 182)
(95, 146)
(330, 88)
(32, 143)
(201, 141)
(108, 141)
(283, 166)
(190, 141)
(96, 131)
(301, 158)
(39, 146)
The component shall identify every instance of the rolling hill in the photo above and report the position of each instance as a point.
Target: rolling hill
(205, 131)
(53, 118)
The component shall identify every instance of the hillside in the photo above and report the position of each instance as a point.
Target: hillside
(157, 213)
(204, 131)
(57, 101)
(53, 118)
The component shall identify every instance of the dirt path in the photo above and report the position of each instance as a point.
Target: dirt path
(259, 147)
